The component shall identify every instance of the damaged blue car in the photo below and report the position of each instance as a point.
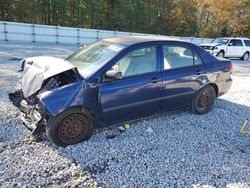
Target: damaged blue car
(116, 80)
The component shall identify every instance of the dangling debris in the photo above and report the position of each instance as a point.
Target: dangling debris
(118, 131)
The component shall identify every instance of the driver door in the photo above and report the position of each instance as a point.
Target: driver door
(137, 94)
(231, 50)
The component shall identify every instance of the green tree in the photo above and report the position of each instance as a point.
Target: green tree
(202, 18)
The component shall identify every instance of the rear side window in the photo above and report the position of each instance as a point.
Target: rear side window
(239, 43)
(197, 59)
(177, 57)
(247, 42)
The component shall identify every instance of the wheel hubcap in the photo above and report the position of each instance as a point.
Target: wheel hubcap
(71, 129)
(204, 100)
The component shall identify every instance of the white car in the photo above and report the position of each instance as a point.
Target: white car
(229, 48)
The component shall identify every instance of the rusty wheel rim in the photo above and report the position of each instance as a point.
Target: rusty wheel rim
(72, 128)
(204, 100)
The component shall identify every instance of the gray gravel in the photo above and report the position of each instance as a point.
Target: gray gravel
(177, 149)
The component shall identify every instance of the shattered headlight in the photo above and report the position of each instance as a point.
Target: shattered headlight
(215, 48)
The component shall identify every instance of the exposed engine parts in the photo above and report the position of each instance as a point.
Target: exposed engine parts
(59, 80)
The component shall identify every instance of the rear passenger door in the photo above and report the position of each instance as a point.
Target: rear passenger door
(182, 74)
(239, 47)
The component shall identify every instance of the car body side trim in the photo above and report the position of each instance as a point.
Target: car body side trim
(147, 101)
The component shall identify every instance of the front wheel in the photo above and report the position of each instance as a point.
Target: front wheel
(203, 102)
(221, 54)
(70, 127)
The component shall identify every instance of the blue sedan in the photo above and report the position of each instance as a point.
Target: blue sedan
(117, 80)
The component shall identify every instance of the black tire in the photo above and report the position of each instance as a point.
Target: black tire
(245, 57)
(221, 54)
(203, 102)
(70, 127)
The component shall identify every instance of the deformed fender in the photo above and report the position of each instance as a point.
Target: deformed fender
(59, 99)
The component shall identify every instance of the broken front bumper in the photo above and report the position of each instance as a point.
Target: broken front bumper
(31, 116)
(212, 52)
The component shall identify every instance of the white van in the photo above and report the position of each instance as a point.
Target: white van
(229, 47)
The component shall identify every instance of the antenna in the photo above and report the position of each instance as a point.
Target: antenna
(175, 30)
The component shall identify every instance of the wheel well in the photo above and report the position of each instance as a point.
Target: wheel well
(222, 51)
(215, 88)
(82, 109)
(90, 112)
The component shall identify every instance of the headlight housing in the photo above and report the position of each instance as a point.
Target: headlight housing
(215, 48)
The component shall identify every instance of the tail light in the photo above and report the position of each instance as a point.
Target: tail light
(230, 68)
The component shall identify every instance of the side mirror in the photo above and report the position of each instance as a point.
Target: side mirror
(230, 44)
(113, 74)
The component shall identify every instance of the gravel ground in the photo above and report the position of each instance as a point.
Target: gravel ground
(177, 149)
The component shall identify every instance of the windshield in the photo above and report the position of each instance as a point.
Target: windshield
(220, 41)
(90, 59)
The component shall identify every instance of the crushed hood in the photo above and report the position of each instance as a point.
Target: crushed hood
(38, 69)
(210, 44)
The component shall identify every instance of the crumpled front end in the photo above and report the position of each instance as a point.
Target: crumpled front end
(41, 77)
(212, 48)
(33, 115)
(38, 69)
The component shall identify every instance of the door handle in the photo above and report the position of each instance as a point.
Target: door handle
(155, 80)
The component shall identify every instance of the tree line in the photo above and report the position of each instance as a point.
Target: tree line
(200, 18)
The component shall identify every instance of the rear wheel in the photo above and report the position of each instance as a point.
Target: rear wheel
(245, 57)
(204, 100)
(70, 127)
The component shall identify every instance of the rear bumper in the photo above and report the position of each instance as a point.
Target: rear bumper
(224, 86)
(31, 116)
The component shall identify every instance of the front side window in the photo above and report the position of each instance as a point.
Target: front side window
(138, 61)
(232, 43)
(177, 57)
(90, 59)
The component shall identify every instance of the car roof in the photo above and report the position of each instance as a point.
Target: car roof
(130, 40)
(234, 38)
